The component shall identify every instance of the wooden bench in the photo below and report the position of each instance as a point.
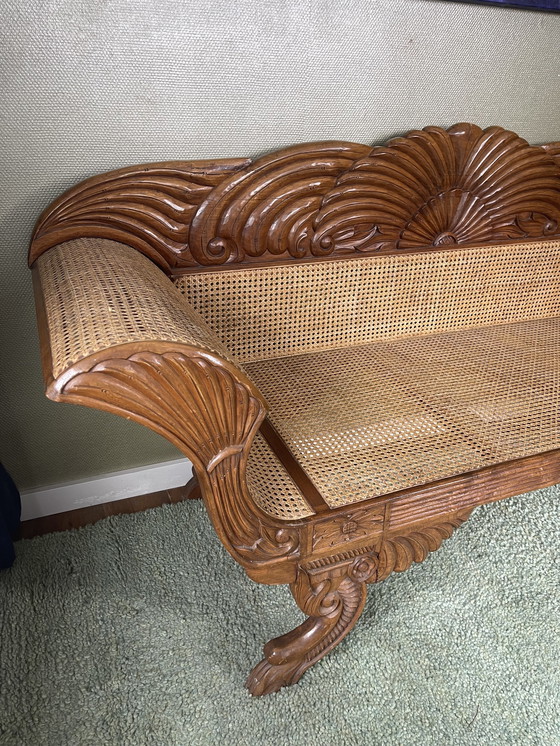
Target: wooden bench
(354, 346)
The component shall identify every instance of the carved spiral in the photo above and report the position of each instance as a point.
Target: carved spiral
(149, 207)
(270, 206)
(433, 187)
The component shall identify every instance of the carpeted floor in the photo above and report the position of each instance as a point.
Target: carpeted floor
(140, 630)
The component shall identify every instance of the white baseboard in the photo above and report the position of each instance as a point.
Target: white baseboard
(116, 485)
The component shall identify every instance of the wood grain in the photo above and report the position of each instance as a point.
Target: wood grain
(433, 189)
(148, 207)
(73, 519)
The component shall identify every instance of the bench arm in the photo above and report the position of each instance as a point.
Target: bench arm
(117, 335)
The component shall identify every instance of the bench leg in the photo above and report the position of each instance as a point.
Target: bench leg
(334, 601)
(332, 592)
(192, 489)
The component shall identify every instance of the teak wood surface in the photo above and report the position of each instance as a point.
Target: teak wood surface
(433, 189)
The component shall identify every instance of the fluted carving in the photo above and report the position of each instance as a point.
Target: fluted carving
(148, 207)
(431, 188)
(398, 553)
(334, 601)
(211, 413)
(268, 208)
(164, 389)
(440, 188)
(332, 591)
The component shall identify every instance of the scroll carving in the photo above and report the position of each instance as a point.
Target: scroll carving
(334, 601)
(209, 414)
(553, 150)
(431, 188)
(332, 591)
(148, 207)
(440, 188)
(268, 209)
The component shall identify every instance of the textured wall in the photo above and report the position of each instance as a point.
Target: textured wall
(91, 86)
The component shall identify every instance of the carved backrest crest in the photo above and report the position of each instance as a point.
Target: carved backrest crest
(431, 188)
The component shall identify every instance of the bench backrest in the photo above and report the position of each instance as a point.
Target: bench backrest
(328, 244)
(285, 310)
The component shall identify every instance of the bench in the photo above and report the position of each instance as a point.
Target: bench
(354, 346)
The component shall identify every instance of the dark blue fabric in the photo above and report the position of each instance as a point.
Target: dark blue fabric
(10, 513)
(552, 5)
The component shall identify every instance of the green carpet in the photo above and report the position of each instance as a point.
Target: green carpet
(141, 630)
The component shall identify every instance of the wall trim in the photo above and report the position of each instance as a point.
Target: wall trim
(118, 485)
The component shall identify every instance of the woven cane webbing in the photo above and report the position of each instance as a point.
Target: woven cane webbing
(276, 311)
(370, 420)
(270, 485)
(100, 293)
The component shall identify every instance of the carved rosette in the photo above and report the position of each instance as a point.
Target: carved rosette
(332, 592)
(347, 528)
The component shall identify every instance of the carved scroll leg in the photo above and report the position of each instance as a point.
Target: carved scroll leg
(334, 603)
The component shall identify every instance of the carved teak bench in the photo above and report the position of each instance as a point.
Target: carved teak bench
(354, 346)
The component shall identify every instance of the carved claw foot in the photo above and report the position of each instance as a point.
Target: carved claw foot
(334, 599)
(266, 678)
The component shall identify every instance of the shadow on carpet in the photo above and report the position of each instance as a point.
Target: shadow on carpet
(140, 630)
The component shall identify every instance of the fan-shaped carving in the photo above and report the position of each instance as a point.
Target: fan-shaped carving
(269, 207)
(206, 410)
(439, 187)
(163, 392)
(397, 553)
(433, 187)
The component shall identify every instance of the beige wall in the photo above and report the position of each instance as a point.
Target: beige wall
(88, 87)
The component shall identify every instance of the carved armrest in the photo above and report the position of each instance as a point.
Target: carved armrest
(117, 335)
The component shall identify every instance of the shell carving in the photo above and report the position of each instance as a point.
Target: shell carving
(439, 187)
(430, 188)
